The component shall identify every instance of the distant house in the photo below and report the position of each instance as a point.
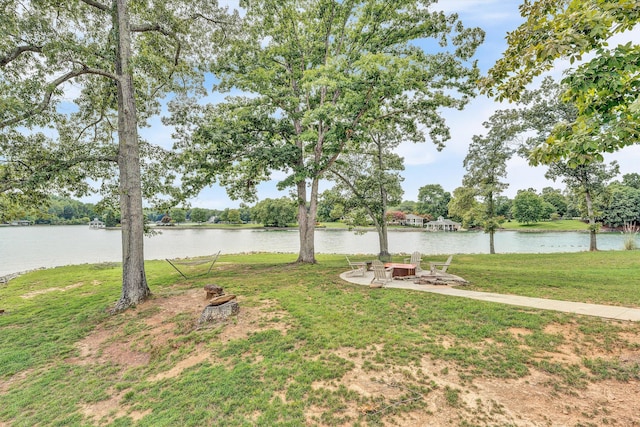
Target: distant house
(96, 223)
(442, 224)
(414, 220)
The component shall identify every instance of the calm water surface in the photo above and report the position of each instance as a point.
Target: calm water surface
(25, 248)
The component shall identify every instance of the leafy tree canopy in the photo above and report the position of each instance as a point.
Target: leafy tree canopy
(315, 75)
(528, 207)
(272, 212)
(605, 89)
(433, 200)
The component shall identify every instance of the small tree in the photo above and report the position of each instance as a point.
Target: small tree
(588, 181)
(369, 178)
(528, 207)
(486, 164)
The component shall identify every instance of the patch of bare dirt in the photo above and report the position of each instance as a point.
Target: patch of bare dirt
(111, 409)
(452, 398)
(448, 396)
(20, 376)
(32, 294)
(109, 344)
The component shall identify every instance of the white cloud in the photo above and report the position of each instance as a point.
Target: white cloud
(416, 154)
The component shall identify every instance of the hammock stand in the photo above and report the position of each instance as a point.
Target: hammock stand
(192, 262)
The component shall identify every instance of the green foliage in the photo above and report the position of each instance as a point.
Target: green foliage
(369, 179)
(110, 219)
(77, 45)
(631, 180)
(407, 206)
(313, 86)
(528, 207)
(199, 215)
(465, 208)
(274, 212)
(178, 215)
(603, 89)
(433, 200)
(622, 207)
(234, 216)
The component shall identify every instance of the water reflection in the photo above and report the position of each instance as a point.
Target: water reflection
(24, 248)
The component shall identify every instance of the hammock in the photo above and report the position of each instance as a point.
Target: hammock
(190, 265)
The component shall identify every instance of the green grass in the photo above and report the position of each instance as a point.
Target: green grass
(560, 225)
(605, 277)
(314, 330)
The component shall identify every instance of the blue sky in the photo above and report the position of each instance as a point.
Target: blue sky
(423, 163)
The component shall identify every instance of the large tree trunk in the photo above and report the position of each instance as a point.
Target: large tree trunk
(134, 282)
(307, 221)
(383, 239)
(592, 222)
(492, 247)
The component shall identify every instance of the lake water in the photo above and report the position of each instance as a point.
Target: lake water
(26, 248)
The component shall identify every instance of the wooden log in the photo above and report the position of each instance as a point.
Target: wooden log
(218, 313)
(221, 299)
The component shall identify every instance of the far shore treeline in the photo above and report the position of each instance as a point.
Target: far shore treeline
(618, 207)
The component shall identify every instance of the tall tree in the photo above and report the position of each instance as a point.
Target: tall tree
(540, 112)
(316, 73)
(631, 180)
(433, 200)
(622, 207)
(464, 207)
(555, 198)
(486, 164)
(604, 89)
(123, 56)
(370, 179)
(589, 181)
(528, 207)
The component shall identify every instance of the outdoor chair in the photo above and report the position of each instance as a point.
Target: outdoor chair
(381, 274)
(357, 268)
(443, 266)
(415, 260)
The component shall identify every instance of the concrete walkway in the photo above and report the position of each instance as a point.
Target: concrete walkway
(598, 310)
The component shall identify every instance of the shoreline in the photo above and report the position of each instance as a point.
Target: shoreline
(8, 277)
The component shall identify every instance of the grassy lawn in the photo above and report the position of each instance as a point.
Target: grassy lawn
(304, 338)
(560, 225)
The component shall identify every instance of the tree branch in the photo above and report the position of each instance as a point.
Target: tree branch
(19, 50)
(50, 88)
(144, 28)
(97, 5)
(48, 171)
(213, 21)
